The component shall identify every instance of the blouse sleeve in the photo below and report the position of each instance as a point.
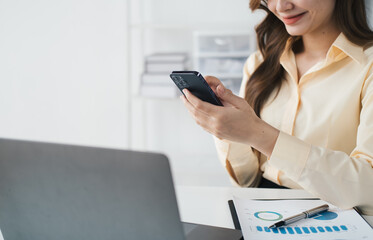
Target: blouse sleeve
(341, 179)
(239, 159)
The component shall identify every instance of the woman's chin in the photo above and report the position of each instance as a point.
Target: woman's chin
(295, 31)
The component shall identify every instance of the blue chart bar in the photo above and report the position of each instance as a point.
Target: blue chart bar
(336, 228)
(275, 230)
(290, 230)
(305, 230)
(329, 229)
(302, 230)
(321, 229)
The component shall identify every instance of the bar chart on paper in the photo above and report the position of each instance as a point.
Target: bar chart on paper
(255, 217)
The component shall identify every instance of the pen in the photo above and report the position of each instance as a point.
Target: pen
(305, 214)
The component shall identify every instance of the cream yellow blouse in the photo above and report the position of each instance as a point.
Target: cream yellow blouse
(326, 123)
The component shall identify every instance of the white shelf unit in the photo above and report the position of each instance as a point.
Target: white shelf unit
(163, 124)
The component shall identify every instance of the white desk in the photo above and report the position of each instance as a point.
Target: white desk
(208, 205)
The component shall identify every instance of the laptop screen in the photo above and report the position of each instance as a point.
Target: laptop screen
(54, 191)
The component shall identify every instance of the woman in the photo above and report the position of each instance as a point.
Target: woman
(305, 119)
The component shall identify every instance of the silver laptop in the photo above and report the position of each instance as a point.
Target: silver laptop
(53, 191)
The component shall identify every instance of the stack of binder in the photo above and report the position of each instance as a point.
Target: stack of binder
(155, 81)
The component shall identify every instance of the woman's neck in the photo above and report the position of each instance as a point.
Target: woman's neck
(313, 48)
(317, 44)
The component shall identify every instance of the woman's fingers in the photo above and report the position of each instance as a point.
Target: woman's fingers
(231, 123)
(213, 82)
(205, 107)
(227, 97)
(201, 118)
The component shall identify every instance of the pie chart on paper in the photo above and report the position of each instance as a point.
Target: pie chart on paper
(325, 216)
(268, 216)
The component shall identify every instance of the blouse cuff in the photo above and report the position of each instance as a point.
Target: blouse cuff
(290, 155)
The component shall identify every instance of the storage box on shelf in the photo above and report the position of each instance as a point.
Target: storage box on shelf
(155, 81)
(166, 62)
(223, 55)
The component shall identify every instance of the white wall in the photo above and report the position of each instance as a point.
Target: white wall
(63, 75)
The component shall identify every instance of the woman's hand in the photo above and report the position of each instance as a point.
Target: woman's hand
(232, 122)
(236, 121)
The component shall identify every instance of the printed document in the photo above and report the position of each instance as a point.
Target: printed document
(256, 215)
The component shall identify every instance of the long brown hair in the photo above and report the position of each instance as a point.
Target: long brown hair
(351, 18)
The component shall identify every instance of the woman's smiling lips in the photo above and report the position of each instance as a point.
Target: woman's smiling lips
(288, 20)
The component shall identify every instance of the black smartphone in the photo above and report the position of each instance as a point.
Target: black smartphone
(196, 84)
